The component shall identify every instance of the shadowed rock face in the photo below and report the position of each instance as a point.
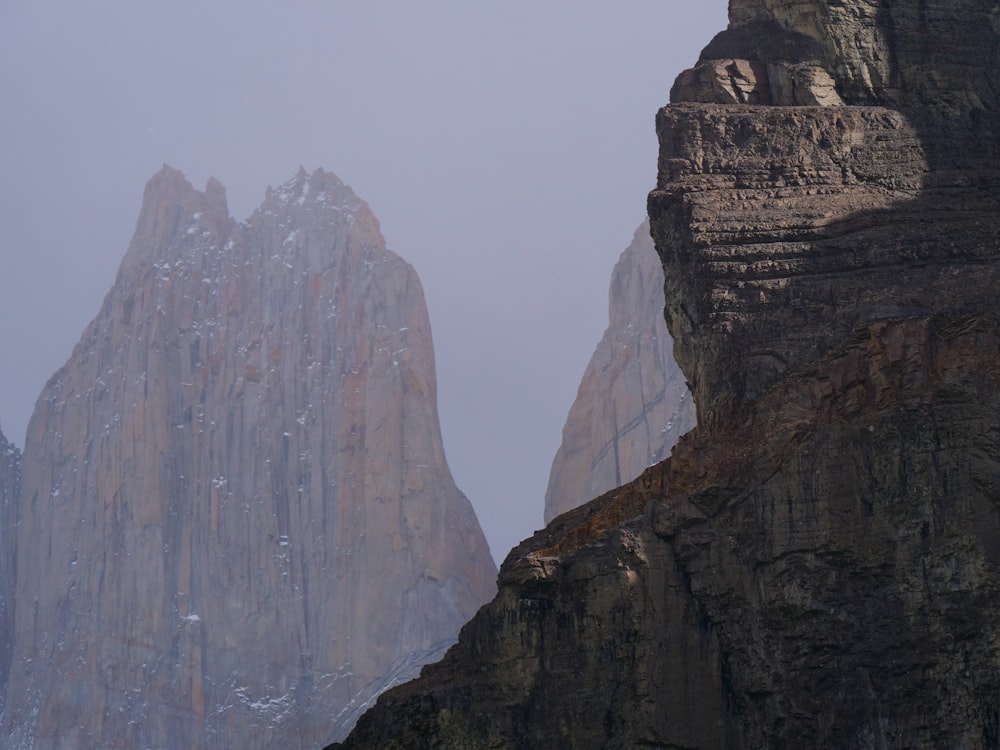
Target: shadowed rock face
(10, 490)
(817, 564)
(790, 227)
(632, 404)
(238, 523)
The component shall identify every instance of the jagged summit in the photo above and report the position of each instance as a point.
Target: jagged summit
(178, 219)
(317, 189)
(242, 524)
(169, 200)
(174, 211)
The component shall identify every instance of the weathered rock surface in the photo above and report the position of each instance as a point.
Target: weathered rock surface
(817, 564)
(807, 222)
(10, 490)
(632, 404)
(237, 523)
(825, 575)
(936, 61)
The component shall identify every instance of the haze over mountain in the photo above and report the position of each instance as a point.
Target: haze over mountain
(633, 404)
(237, 521)
(505, 146)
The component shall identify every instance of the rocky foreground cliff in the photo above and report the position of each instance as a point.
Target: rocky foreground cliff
(818, 564)
(633, 403)
(238, 524)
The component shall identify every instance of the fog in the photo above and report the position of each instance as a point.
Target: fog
(506, 148)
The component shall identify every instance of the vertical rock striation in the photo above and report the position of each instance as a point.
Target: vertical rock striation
(238, 524)
(10, 491)
(632, 404)
(817, 564)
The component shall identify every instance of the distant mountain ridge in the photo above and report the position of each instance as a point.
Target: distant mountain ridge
(633, 404)
(238, 522)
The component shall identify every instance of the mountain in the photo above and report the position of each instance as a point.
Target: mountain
(238, 524)
(10, 490)
(817, 565)
(633, 403)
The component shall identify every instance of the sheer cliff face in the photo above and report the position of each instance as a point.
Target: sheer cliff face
(10, 490)
(817, 563)
(238, 522)
(844, 214)
(632, 404)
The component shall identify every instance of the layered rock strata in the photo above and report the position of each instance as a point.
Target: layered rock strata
(633, 403)
(238, 524)
(10, 491)
(817, 565)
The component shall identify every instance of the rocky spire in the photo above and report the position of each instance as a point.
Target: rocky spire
(632, 404)
(241, 522)
(817, 564)
(10, 492)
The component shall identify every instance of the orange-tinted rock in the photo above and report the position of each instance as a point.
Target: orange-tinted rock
(238, 522)
(632, 404)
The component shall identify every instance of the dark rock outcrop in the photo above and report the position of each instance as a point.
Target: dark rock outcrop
(817, 565)
(633, 403)
(237, 523)
(10, 491)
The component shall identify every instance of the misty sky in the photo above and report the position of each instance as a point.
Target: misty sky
(506, 148)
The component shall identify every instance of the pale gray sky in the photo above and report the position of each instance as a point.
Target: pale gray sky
(506, 147)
